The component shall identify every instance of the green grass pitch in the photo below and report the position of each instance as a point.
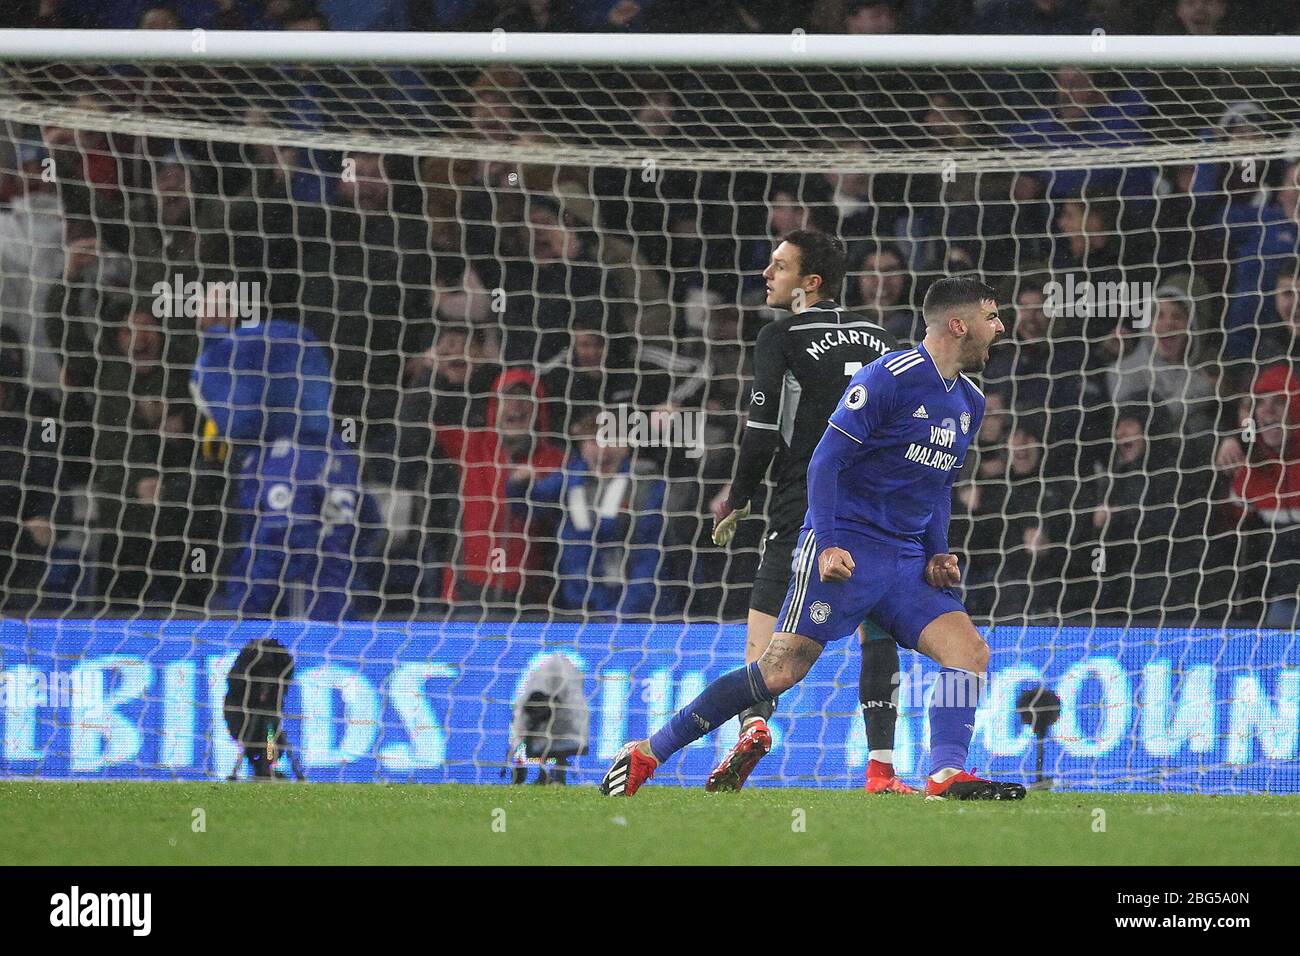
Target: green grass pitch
(350, 824)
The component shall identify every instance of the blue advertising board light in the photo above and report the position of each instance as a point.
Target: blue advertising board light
(1141, 709)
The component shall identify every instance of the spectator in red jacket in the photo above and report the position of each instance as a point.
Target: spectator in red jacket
(1265, 496)
(494, 556)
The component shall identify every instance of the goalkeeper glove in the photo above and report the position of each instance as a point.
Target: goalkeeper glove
(214, 447)
(725, 529)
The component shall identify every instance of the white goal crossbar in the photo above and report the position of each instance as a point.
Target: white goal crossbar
(1098, 49)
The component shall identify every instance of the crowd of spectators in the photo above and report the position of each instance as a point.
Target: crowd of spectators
(480, 316)
(1194, 17)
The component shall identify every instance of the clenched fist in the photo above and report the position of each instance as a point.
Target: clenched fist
(835, 564)
(942, 571)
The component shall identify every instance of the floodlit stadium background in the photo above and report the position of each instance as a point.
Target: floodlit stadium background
(420, 238)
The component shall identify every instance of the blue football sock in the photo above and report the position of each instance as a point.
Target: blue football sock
(952, 717)
(719, 702)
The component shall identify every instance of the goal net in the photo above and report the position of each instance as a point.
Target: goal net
(428, 358)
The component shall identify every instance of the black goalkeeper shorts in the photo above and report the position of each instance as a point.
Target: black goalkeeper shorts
(773, 578)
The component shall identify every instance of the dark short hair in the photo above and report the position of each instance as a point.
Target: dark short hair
(168, 7)
(451, 328)
(853, 6)
(585, 424)
(546, 205)
(820, 255)
(1290, 267)
(588, 316)
(1097, 199)
(952, 292)
(872, 248)
(1030, 283)
(306, 10)
(1138, 413)
(1032, 425)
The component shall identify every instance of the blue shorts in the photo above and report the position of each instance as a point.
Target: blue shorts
(888, 587)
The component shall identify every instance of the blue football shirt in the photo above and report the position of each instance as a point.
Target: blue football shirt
(910, 429)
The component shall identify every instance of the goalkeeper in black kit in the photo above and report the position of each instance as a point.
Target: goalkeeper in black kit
(802, 364)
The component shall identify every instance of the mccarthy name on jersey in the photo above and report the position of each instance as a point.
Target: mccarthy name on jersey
(826, 344)
(913, 428)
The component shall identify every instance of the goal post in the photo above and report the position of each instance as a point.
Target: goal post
(430, 352)
(1098, 49)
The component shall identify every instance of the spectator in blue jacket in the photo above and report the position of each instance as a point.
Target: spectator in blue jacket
(1089, 109)
(609, 514)
(1035, 17)
(1243, 123)
(616, 15)
(1261, 237)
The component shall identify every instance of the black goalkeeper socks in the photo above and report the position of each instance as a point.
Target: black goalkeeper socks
(763, 709)
(877, 683)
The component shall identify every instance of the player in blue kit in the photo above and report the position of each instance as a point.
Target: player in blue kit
(302, 518)
(875, 545)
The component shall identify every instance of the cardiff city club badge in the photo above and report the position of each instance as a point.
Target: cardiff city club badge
(965, 422)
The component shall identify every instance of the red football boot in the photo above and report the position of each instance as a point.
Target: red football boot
(966, 786)
(630, 769)
(754, 743)
(881, 779)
